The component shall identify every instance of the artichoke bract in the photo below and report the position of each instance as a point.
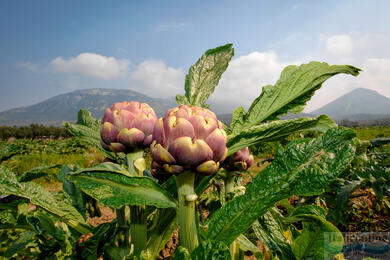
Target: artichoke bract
(127, 126)
(188, 138)
(240, 160)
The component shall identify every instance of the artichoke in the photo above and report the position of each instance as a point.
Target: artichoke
(239, 161)
(127, 126)
(188, 138)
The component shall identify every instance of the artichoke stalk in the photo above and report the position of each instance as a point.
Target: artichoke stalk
(239, 161)
(127, 127)
(189, 140)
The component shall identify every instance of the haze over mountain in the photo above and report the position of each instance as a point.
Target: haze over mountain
(359, 105)
(64, 107)
(360, 101)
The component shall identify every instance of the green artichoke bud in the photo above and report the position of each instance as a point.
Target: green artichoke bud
(188, 137)
(127, 126)
(239, 161)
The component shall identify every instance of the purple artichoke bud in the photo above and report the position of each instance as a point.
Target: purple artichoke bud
(240, 160)
(188, 138)
(126, 126)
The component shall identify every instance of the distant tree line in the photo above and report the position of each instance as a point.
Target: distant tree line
(33, 131)
(368, 122)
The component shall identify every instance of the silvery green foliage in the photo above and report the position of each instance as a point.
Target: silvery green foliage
(302, 168)
(204, 75)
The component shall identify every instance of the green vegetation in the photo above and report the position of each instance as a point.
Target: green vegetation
(372, 132)
(32, 131)
(289, 207)
(28, 154)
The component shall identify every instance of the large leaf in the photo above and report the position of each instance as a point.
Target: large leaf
(39, 196)
(319, 239)
(162, 232)
(343, 188)
(269, 231)
(204, 75)
(246, 245)
(84, 117)
(296, 85)
(81, 201)
(212, 250)
(108, 184)
(305, 167)
(275, 130)
(20, 243)
(9, 150)
(36, 172)
(87, 129)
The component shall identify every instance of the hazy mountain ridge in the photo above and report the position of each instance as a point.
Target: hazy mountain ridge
(360, 105)
(361, 101)
(64, 107)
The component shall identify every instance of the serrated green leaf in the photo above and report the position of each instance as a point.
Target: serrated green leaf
(160, 235)
(107, 184)
(309, 210)
(181, 100)
(88, 130)
(238, 116)
(19, 244)
(275, 130)
(75, 194)
(305, 167)
(84, 117)
(296, 86)
(211, 250)
(319, 239)
(36, 172)
(42, 198)
(8, 151)
(246, 245)
(268, 230)
(204, 75)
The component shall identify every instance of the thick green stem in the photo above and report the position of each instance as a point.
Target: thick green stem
(188, 233)
(235, 251)
(124, 235)
(131, 158)
(229, 187)
(138, 229)
(229, 184)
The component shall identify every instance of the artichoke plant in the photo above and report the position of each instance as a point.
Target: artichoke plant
(234, 165)
(188, 140)
(240, 160)
(127, 126)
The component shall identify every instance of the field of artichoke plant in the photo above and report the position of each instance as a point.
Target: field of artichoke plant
(184, 172)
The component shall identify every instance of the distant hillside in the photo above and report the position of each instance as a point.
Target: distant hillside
(358, 104)
(64, 107)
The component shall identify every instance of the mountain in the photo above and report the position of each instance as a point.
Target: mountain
(358, 104)
(64, 107)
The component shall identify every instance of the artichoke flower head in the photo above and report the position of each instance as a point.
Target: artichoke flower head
(127, 126)
(188, 137)
(239, 161)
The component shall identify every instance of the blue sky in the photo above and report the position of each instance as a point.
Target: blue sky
(53, 47)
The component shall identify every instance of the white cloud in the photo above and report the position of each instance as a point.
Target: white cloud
(365, 51)
(93, 65)
(246, 75)
(156, 79)
(340, 44)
